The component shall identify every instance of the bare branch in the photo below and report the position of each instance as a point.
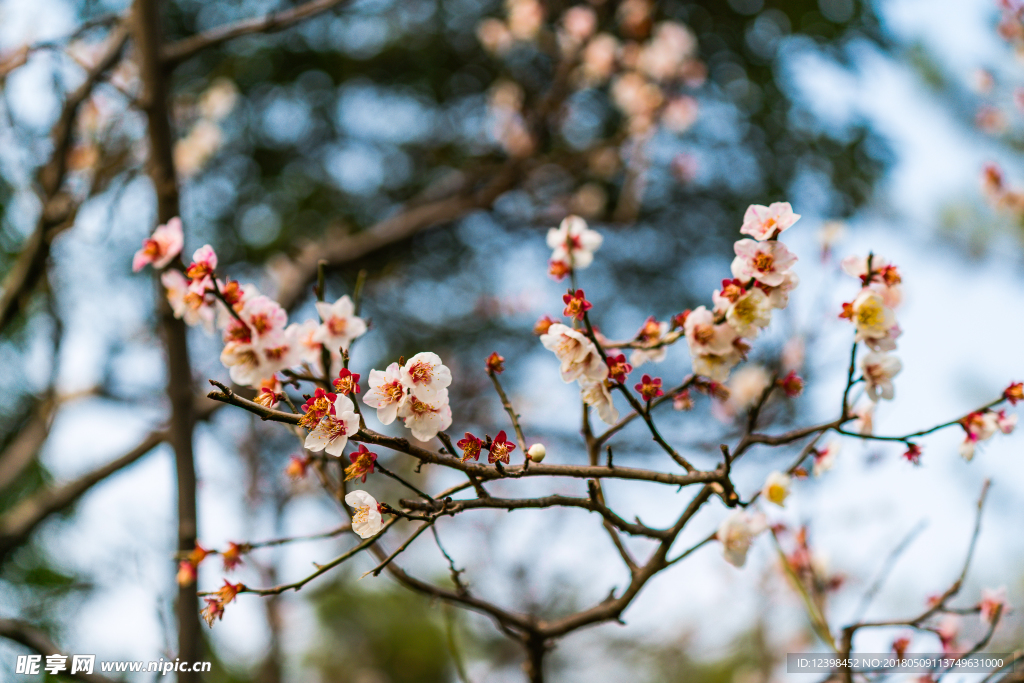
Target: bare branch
(177, 52)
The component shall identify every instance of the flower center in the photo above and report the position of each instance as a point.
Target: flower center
(704, 334)
(421, 372)
(392, 392)
(870, 315)
(337, 326)
(763, 262)
(260, 323)
(362, 515)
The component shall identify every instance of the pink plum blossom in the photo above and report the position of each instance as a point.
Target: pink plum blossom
(764, 222)
(161, 247)
(766, 262)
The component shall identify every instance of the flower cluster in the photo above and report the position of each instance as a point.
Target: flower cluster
(416, 392)
(258, 340)
(581, 362)
(981, 425)
(762, 279)
(871, 313)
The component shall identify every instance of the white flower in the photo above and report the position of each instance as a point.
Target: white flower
(766, 262)
(426, 376)
(161, 247)
(265, 319)
(747, 386)
(761, 222)
(578, 355)
(246, 363)
(308, 348)
(340, 324)
(776, 488)
(878, 370)
(333, 431)
(736, 533)
(386, 392)
(573, 242)
(886, 343)
(596, 394)
(714, 366)
(1006, 423)
(778, 296)
(865, 422)
(425, 420)
(705, 337)
(193, 309)
(872, 318)
(825, 459)
(367, 520)
(749, 313)
(651, 333)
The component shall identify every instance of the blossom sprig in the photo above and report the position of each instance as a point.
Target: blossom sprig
(416, 392)
(214, 609)
(573, 245)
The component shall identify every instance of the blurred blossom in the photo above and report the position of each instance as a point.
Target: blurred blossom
(984, 81)
(579, 22)
(193, 151)
(680, 114)
(598, 61)
(525, 18)
(663, 56)
(831, 233)
(218, 100)
(589, 201)
(990, 120)
(494, 35)
(792, 356)
(635, 18)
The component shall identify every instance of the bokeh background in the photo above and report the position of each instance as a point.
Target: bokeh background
(881, 116)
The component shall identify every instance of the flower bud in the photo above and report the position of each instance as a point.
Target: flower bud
(536, 452)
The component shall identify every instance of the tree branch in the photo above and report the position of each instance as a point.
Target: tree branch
(177, 52)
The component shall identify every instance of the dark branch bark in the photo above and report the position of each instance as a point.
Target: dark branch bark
(149, 46)
(35, 639)
(179, 51)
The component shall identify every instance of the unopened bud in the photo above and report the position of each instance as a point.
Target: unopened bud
(536, 452)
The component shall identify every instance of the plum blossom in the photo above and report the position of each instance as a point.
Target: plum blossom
(425, 419)
(161, 247)
(716, 366)
(746, 311)
(872, 318)
(825, 458)
(536, 452)
(500, 448)
(747, 386)
(194, 310)
(426, 376)
(471, 447)
(766, 262)
(651, 333)
(1006, 423)
(992, 602)
(204, 263)
(649, 388)
(340, 325)
(1014, 393)
(979, 425)
(737, 532)
(879, 369)
(618, 368)
(578, 355)
(597, 395)
(776, 488)
(367, 520)
(332, 432)
(913, 454)
(386, 392)
(363, 462)
(573, 242)
(792, 384)
(347, 382)
(778, 296)
(764, 222)
(576, 305)
(705, 336)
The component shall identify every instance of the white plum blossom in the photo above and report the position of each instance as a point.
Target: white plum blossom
(248, 364)
(650, 333)
(825, 458)
(886, 343)
(865, 422)
(766, 262)
(332, 432)
(737, 532)
(340, 325)
(872, 318)
(386, 392)
(573, 242)
(307, 347)
(762, 222)
(776, 488)
(715, 366)
(750, 313)
(367, 520)
(878, 370)
(424, 419)
(597, 395)
(264, 318)
(778, 296)
(578, 355)
(1006, 423)
(747, 386)
(980, 426)
(187, 306)
(426, 376)
(705, 336)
